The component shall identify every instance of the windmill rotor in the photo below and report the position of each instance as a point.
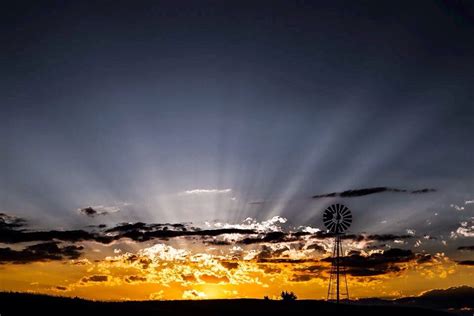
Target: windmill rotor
(337, 218)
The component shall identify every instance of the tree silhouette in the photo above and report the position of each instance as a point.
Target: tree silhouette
(288, 296)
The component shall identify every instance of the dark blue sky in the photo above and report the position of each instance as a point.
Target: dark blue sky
(125, 105)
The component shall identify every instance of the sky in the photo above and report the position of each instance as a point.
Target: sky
(187, 149)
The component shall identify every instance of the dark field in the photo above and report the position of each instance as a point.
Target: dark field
(30, 304)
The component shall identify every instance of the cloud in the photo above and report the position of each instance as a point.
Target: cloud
(40, 252)
(457, 207)
(97, 210)
(10, 232)
(271, 225)
(157, 295)
(156, 231)
(466, 229)
(274, 237)
(369, 191)
(466, 248)
(8, 222)
(466, 262)
(193, 295)
(95, 278)
(230, 265)
(249, 232)
(256, 203)
(411, 231)
(18, 236)
(377, 263)
(61, 288)
(302, 277)
(387, 237)
(135, 279)
(275, 263)
(207, 191)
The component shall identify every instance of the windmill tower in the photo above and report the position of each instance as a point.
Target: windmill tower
(337, 218)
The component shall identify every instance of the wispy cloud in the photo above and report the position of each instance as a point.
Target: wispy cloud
(271, 225)
(457, 207)
(207, 191)
(369, 191)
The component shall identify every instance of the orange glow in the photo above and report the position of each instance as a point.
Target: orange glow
(163, 272)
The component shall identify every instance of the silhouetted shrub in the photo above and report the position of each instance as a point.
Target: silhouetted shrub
(288, 296)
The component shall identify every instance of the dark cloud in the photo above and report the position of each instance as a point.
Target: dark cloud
(424, 258)
(61, 288)
(10, 222)
(361, 237)
(269, 268)
(466, 248)
(11, 231)
(268, 253)
(144, 232)
(230, 265)
(89, 211)
(377, 263)
(280, 237)
(302, 277)
(135, 278)
(311, 269)
(96, 211)
(466, 262)
(219, 242)
(365, 272)
(387, 237)
(95, 278)
(317, 248)
(143, 261)
(308, 272)
(272, 237)
(40, 252)
(18, 236)
(271, 255)
(127, 227)
(369, 191)
(140, 235)
(100, 226)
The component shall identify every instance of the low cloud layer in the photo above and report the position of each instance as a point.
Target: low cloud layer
(14, 231)
(184, 256)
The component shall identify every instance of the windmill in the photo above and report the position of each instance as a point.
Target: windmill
(337, 218)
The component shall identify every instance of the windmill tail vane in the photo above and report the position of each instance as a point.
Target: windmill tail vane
(337, 218)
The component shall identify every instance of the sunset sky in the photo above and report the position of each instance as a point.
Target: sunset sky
(187, 149)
